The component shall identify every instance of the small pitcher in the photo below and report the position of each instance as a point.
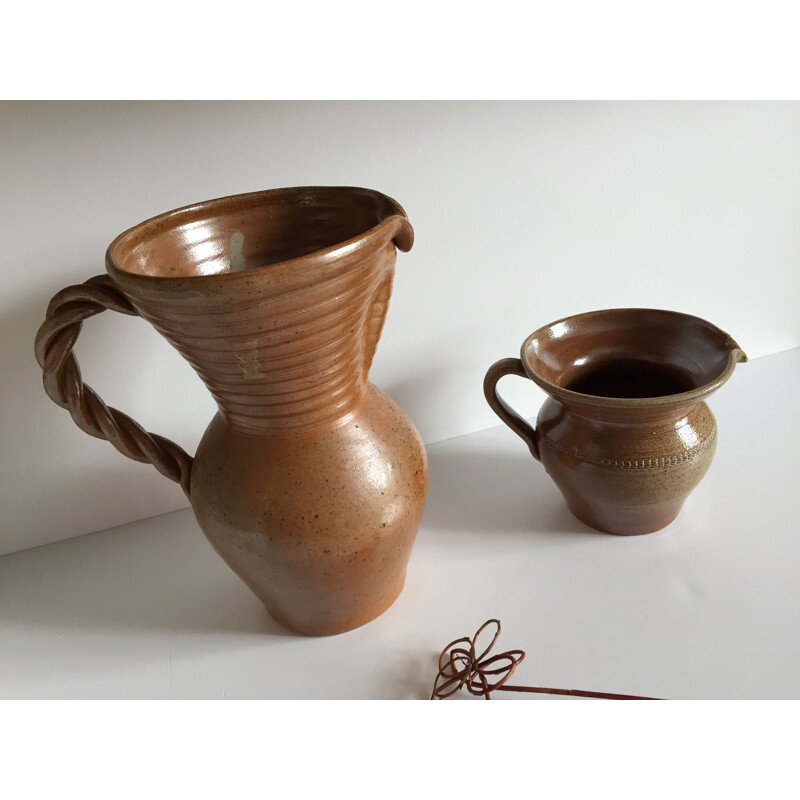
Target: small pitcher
(625, 432)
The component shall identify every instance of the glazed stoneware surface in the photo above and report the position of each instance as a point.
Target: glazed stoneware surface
(309, 481)
(625, 432)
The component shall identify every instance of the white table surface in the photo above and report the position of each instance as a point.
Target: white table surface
(707, 608)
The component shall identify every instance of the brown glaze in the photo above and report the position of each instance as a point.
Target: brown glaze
(309, 482)
(62, 379)
(625, 432)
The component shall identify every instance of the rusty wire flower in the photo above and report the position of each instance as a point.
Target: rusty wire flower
(460, 666)
(483, 674)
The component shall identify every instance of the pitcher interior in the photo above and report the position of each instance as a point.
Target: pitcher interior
(246, 232)
(628, 353)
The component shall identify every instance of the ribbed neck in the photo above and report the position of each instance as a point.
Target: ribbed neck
(268, 299)
(278, 361)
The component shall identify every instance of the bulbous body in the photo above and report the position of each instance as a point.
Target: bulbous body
(625, 432)
(626, 476)
(319, 525)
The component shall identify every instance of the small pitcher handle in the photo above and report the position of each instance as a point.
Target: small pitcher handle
(63, 384)
(523, 429)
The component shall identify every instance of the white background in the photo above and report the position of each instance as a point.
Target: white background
(524, 212)
(621, 48)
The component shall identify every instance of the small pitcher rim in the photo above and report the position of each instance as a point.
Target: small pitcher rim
(735, 355)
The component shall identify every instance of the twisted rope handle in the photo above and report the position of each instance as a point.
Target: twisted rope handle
(63, 384)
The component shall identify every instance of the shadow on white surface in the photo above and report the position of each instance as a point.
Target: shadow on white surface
(407, 676)
(483, 489)
(157, 581)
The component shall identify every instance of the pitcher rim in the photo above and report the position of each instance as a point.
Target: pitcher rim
(403, 236)
(735, 355)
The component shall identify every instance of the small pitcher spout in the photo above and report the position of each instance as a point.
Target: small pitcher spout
(737, 354)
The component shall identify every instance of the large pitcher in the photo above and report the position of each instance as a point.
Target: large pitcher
(309, 482)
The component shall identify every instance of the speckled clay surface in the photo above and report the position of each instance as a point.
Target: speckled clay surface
(628, 448)
(309, 482)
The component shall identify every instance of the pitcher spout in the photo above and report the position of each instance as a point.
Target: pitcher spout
(401, 232)
(737, 355)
